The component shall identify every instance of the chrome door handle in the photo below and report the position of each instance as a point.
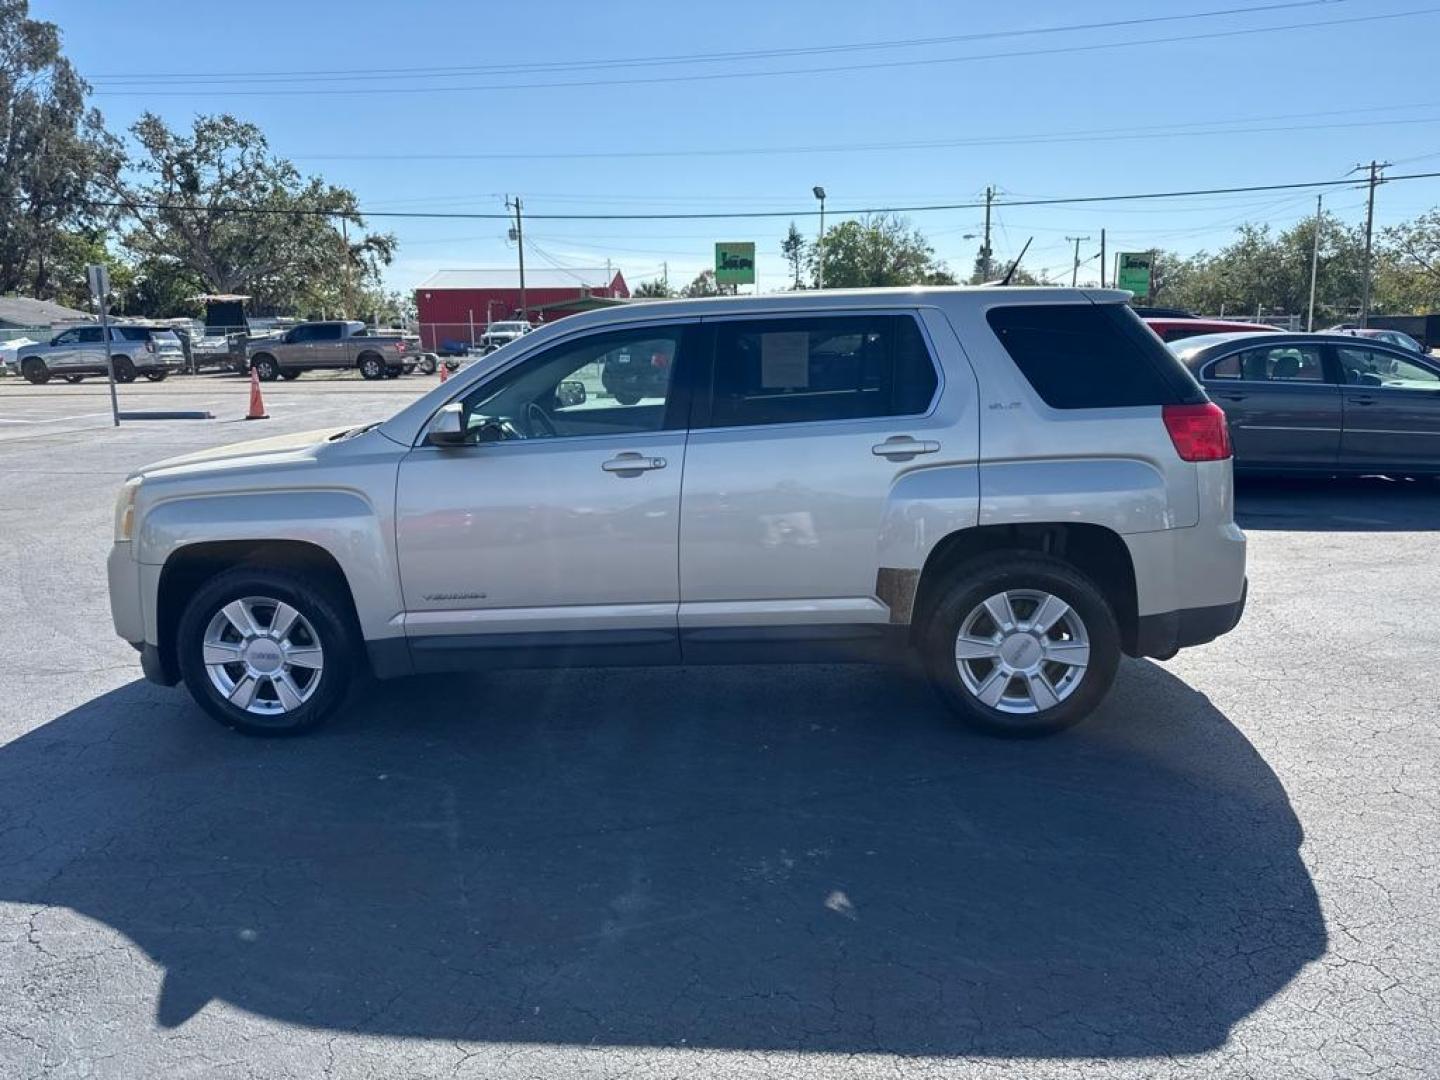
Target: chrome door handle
(903, 447)
(632, 464)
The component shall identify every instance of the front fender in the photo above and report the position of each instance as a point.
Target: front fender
(342, 523)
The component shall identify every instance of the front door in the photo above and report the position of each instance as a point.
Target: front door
(1392, 410)
(793, 454)
(554, 531)
(1283, 408)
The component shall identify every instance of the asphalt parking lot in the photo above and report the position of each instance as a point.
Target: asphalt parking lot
(727, 872)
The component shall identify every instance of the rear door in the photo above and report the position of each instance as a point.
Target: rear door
(1392, 409)
(1282, 403)
(805, 425)
(328, 347)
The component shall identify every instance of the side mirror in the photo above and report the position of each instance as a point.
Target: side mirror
(570, 392)
(447, 427)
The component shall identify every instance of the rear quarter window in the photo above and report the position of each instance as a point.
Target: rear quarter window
(1091, 356)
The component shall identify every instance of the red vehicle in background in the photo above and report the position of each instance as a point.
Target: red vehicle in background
(1174, 329)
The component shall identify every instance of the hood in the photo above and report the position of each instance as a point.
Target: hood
(253, 452)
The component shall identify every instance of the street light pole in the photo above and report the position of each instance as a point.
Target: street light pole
(820, 274)
(1314, 265)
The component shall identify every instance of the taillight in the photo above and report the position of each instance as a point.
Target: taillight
(1199, 432)
(659, 360)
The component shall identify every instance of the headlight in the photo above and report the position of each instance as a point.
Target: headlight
(125, 509)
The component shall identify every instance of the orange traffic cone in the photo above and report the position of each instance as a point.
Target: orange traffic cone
(257, 404)
(444, 371)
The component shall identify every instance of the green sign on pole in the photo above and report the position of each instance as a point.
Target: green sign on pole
(1133, 273)
(735, 264)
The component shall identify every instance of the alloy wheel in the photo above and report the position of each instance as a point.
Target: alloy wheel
(1022, 651)
(263, 656)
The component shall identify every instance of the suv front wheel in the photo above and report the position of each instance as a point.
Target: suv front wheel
(1021, 644)
(266, 652)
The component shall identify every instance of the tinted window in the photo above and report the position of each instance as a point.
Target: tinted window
(776, 371)
(132, 333)
(604, 384)
(1091, 356)
(1227, 368)
(1371, 367)
(1283, 363)
(300, 334)
(325, 332)
(89, 335)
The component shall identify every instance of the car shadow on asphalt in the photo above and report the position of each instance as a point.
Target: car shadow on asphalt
(1338, 504)
(801, 859)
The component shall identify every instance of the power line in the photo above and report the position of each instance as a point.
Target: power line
(848, 69)
(1092, 135)
(349, 74)
(1068, 200)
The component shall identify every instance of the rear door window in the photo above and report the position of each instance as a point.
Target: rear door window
(1091, 356)
(131, 333)
(326, 332)
(1283, 363)
(831, 367)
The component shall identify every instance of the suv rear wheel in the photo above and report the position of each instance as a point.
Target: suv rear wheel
(266, 652)
(34, 370)
(1021, 644)
(124, 369)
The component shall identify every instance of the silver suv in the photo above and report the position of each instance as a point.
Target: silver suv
(151, 351)
(1016, 485)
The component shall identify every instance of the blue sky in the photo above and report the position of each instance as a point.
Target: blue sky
(1062, 114)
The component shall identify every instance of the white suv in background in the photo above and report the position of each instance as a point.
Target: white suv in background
(1019, 485)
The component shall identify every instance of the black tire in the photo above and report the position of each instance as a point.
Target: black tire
(156, 374)
(394, 372)
(72, 379)
(319, 605)
(35, 371)
(265, 367)
(290, 375)
(371, 367)
(966, 590)
(427, 365)
(123, 368)
(627, 397)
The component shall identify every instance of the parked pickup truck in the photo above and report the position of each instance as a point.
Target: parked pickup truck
(322, 345)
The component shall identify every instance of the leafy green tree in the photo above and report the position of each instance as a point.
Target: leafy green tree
(793, 248)
(1407, 275)
(703, 285)
(216, 205)
(52, 148)
(878, 251)
(658, 289)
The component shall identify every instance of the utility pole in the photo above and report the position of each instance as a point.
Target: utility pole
(1374, 182)
(985, 248)
(1102, 258)
(665, 274)
(1075, 271)
(1314, 265)
(349, 275)
(518, 235)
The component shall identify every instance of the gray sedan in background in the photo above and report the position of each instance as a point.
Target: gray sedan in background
(1321, 403)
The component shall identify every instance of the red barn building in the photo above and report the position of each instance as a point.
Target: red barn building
(455, 306)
